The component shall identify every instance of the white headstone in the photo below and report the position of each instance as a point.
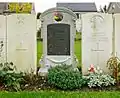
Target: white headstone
(21, 41)
(96, 40)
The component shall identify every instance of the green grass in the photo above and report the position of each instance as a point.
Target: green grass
(77, 48)
(60, 94)
(39, 51)
(78, 35)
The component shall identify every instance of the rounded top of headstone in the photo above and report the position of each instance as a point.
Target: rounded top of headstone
(59, 9)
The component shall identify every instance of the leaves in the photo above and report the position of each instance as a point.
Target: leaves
(99, 79)
(114, 66)
(9, 78)
(20, 8)
(64, 77)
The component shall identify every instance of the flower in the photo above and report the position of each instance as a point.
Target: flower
(97, 78)
(58, 16)
(91, 68)
(101, 71)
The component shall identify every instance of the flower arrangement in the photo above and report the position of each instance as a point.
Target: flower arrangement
(58, 16)
(97, 78)
(93, 69)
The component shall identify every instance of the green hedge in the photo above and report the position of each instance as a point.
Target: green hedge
(64, 77)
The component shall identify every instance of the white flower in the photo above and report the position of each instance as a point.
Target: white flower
(101, 71)
(99, 79)
(95, 70)
(98, 68)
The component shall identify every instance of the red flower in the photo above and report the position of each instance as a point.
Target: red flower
(56, 13)
(91, 68)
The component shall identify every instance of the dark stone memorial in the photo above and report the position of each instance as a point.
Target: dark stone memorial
(58, 26)
(58, 39)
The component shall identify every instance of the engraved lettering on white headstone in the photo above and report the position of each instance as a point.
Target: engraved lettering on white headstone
(98, 51)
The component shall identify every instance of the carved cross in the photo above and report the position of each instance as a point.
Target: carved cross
(97, 50)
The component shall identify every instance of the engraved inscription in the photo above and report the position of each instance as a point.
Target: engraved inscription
(58, 39)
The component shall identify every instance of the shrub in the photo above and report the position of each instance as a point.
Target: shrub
(64, 77)
(9, 78)
(96, 78)
(114, 66)
(33, 81)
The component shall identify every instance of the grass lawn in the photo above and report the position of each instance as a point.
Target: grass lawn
(77, 48)
(39, 51)
(59, 94)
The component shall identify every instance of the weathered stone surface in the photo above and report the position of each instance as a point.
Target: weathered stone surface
(96, 40)
(21, 41)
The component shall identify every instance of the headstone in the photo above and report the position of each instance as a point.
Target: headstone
(21, 41)
(96, 40)
(58, 28)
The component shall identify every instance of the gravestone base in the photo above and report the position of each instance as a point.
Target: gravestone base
(43, 71)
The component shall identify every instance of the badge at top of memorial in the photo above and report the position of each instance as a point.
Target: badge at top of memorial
(58, 16)
(97, 19)
(97, 22)
(20, 20)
